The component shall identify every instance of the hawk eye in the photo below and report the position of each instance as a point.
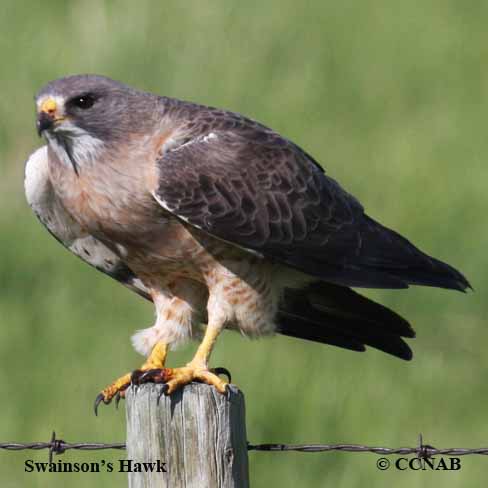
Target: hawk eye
(83, 101)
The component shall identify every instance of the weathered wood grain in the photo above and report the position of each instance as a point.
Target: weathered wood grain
(199, 434)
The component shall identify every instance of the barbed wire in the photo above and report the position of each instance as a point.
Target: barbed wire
(59, 446)
(421, 450)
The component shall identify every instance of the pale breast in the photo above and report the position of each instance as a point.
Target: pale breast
(108, 197)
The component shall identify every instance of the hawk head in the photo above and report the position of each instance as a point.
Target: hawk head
(81, 115)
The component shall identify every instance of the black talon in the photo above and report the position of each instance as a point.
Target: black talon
(117, 400)
(99, 399)
(135, 377)
(147, 374)
(164, 390)
(224, 371)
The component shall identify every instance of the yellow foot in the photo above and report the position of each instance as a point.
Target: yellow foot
(175, 378)
(117, 389)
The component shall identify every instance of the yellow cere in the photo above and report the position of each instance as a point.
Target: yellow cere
(49, 105)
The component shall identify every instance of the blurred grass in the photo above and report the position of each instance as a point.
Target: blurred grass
(390, 96)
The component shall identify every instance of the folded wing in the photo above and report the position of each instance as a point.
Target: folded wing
(255, 189)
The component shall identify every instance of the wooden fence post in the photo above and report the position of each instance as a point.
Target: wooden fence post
(197, 432)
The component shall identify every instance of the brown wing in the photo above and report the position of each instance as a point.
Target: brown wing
(253, 188)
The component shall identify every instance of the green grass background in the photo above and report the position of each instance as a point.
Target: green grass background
(391, 97)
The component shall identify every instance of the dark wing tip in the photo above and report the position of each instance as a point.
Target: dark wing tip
(336, 315)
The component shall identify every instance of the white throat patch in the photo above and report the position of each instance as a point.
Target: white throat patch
(80, 148)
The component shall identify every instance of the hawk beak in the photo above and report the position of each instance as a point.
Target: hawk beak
(47, 115)
(45, 121)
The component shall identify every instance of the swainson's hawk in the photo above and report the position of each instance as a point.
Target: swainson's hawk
(218, 220)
